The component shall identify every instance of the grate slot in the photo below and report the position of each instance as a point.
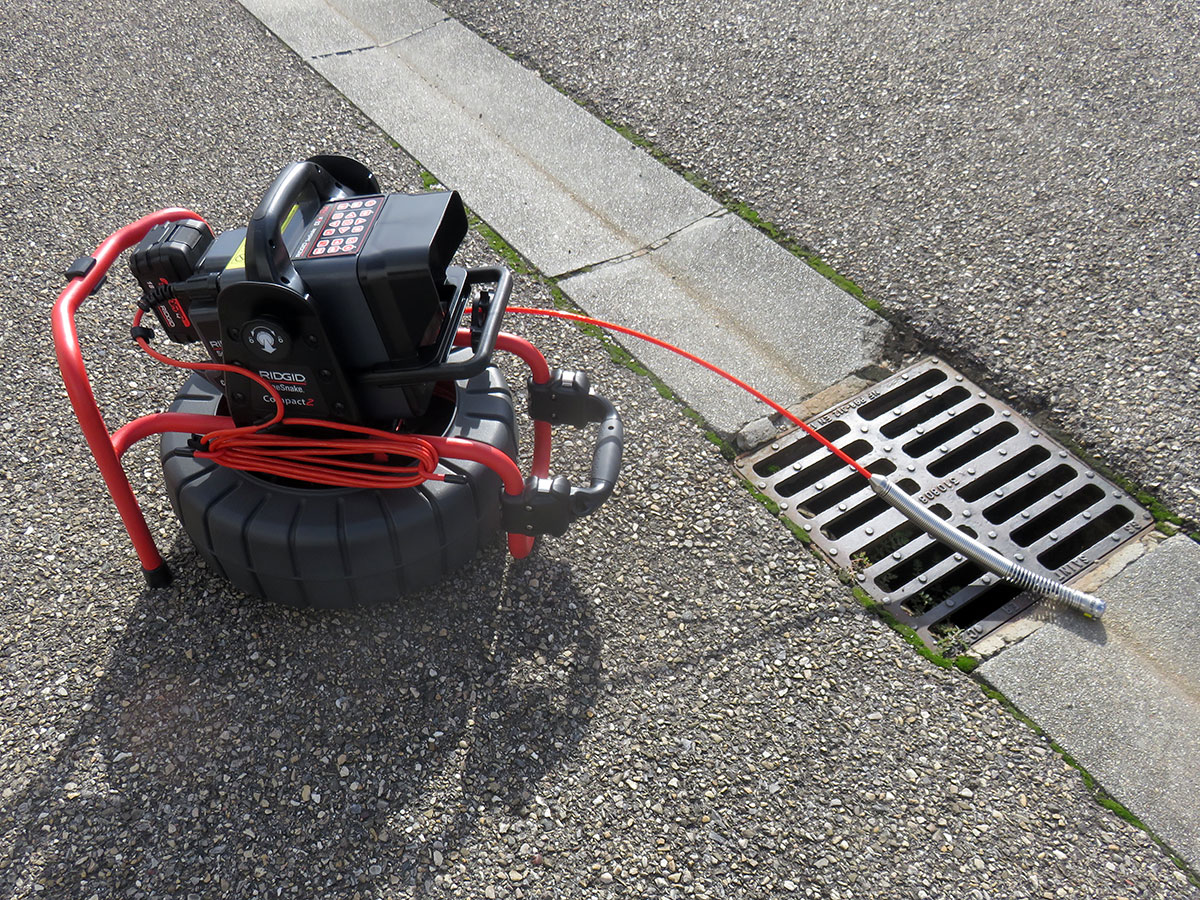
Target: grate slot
(797, 450)
(1083, 539)
(889, 521)
(926, 411)
(918, 447)
(863, 513)
(1000, 476)
(844, 489)
(942, 589)
(939, 559)
(901, 394)
(822, 469)
(899, 539)
(913, 566)
(1024, 498)
(1061, 512)
(974, 604)
(972, 449)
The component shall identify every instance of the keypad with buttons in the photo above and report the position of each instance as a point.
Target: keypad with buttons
(344, 226)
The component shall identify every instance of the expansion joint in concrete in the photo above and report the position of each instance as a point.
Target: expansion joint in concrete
(657, 244)
(382, 46)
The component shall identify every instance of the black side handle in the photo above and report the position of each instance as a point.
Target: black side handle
(548, 505)
(606, 459)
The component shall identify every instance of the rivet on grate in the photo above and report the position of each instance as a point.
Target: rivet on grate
(983, 395)
(912, 468)
(887, 448)
(922, 578)
(1034, 434)
(1086, 514)
(1062, 454)
(762, 484)
(966, 514)
(992, 535)
(943, 449)
(783, 506)
(1058, 495)
(929, 395)
(1006, 413)
(1054, 535)
(904, 377)
(952, 413)
(820, 485)
(897, 555)
(920, 430)
(775, 446)
(975, 429)
(958, 378)
(869, 531)
(862, 577)
(1089, 474)
(971, 471)
(833, 551)
(1024, 514)
(987, 579)
(958, 557)
(841, 507)
(864, 429)
(1002, 452)
(1020, 556)
(951, 603)
(999, 492)
(807, 527)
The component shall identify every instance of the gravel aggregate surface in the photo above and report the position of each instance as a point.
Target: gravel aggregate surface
(674, 700)
(1018, 181)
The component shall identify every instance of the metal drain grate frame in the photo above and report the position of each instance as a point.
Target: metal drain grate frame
(975, 463)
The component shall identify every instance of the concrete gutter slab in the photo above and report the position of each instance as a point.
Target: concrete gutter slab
(726, 292)
(1123, 695)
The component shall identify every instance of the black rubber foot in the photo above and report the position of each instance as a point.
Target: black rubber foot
(158, 578)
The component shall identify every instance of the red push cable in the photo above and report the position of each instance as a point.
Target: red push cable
(658, 342)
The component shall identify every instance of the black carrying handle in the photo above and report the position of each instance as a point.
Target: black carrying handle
(267, 257)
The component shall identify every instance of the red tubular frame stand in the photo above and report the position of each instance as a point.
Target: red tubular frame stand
(107, 448)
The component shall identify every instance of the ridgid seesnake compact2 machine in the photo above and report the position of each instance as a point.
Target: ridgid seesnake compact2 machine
(348, 438)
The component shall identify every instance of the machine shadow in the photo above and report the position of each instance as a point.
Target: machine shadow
(232, 746)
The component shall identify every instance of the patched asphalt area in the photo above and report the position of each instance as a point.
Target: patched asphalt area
(675, 699)
(1017, 182)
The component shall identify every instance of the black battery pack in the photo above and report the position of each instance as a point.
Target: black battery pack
(168, 254)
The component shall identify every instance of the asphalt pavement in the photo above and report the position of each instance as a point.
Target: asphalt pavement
(1016, 182)
(676, 699)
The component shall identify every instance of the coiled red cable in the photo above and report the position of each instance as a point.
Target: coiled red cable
(355, 456)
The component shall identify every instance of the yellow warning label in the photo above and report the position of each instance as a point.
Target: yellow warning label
(238, 260)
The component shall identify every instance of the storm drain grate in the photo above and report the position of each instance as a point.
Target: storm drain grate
(972, 461)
